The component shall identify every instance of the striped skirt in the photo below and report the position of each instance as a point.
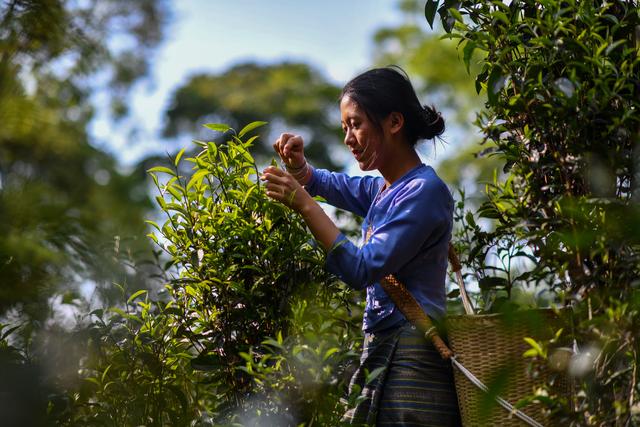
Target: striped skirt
(402, 381)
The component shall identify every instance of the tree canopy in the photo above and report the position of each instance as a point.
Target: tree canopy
(62, 200)
(287, 95)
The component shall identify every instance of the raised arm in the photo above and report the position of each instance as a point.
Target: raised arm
(281, 186)
(354, 194)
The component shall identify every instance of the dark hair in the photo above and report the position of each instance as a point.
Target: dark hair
(381, 91)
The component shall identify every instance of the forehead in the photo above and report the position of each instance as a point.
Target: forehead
(349, 108)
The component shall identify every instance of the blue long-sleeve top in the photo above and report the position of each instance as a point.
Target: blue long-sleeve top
(410, 224)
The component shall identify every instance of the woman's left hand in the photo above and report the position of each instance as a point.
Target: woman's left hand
(283, 187)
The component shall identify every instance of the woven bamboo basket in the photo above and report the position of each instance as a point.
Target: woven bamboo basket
(491, 347)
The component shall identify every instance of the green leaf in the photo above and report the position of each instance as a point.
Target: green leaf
(200, 143)
(501, 16)
(191, 291)
(272, 343)
(456, 14)
(469, 47)
(161, 202)
(104, 374)
(174, 192)
(245, 154)
(197, 178)
(8, 332)
(491, 282)
(249, 141)
(162, 169)
(136, 295)
(445, 17)
(455, 293)
(374, 374)
(93, 381)
(178, 156)
(250, 127)
(535, 350)
(495, 84)
(218, 127)
(430, 9)
(153, 223)
(329, 353)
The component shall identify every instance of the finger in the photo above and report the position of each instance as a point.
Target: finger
(275, 171)
(277, 146)
(272, 194)
(285, 139)
(273, 188)
(282, 140)
(276, 179)
(293, 144)
(275, 192)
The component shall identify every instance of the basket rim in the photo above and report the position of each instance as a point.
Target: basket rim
(554, 310)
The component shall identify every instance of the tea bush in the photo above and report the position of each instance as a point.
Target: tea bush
(563, 88)
(241, 263)
(246, 328)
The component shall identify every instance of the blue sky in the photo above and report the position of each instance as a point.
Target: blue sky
(334, 36)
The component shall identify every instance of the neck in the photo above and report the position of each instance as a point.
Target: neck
(402, 163)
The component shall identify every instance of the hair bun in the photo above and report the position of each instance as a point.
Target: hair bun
(432, 123)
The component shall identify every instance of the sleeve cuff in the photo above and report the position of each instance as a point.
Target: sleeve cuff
(312, 184)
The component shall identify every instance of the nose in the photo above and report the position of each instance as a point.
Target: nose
(348, 137)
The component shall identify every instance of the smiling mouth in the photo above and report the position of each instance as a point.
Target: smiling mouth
(357, 153)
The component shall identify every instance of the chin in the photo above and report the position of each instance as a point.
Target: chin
(364, 168)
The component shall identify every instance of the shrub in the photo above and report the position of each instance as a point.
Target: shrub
(563, 86)
(241, 262)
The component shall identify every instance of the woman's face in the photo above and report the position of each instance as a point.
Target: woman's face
(362, 136)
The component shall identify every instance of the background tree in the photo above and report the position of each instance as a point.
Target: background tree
(287, 95)
(562, 84)
(441, 77)
(65, 207)
(67, 212)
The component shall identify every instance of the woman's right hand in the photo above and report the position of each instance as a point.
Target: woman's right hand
(290, 148)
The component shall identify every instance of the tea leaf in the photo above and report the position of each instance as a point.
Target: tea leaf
(162, 169)
(178, 156)
(218, 127)
(250, 127)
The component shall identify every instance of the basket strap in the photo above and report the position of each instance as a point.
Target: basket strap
(412, 311)
(408, 306)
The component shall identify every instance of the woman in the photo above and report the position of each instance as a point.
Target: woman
(407, 226)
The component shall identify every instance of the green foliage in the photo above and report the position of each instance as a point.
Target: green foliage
(289, 95)
(135, 373)
(433, 64)
(65, 208)
(248, 329)
(562, 87)
(303, 376)
(242, 261)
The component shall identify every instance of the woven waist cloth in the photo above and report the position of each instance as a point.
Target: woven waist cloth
(415, 388)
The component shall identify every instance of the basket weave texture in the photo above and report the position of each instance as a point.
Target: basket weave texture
(491, 347)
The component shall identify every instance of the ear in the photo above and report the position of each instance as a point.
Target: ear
(395, 122)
